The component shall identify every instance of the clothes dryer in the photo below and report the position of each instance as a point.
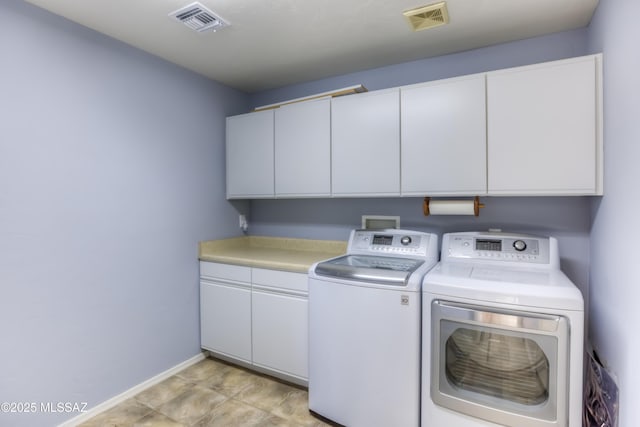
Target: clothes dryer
(502, 339)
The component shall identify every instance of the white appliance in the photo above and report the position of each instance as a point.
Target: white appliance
(364, 329)
(502, 335)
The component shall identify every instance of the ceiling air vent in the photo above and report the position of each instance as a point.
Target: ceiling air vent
(199, 18)
(429, 16)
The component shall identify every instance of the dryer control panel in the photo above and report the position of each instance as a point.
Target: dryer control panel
(497, 247)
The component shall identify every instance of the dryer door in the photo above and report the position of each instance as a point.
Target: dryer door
(508, 367)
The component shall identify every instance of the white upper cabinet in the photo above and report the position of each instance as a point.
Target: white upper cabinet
(303, 149)
(250, 155)
(443, 128)
(544, 129)
(524, 131)
(365, 144)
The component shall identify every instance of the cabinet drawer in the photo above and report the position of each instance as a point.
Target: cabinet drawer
(280, 279)
(236, 273)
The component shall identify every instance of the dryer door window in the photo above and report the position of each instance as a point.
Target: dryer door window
(508, 367)
(491, 363)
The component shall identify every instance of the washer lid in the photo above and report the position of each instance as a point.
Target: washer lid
(374, 269)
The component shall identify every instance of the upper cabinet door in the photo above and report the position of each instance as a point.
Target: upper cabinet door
(303, 149)
(544, 133)
(443, 128)
(365, 141)
(250, 151)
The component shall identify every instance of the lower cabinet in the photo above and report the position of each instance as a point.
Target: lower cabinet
(279, 325)
(228, 306)
(257, 317)
(225, 300)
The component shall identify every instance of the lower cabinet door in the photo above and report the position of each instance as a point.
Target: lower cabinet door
(280, 335)
(225, 319)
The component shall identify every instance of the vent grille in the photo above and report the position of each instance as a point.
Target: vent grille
(429, 16)
(199, 18)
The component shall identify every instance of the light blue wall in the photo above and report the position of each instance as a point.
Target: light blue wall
(567, 218)
(111, 171)
(524, 52)
(615, 284)
(564, 217)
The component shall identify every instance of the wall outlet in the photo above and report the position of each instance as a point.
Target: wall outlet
(243, 223)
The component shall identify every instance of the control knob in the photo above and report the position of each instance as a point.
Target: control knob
(519, 245)
(405, 240)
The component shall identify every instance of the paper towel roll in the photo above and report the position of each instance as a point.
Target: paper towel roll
(452, 207)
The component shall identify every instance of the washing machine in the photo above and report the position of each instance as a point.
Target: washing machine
(502, 335)
(364, 329)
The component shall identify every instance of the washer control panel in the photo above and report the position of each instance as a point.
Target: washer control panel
(496, 247)
(389, 242)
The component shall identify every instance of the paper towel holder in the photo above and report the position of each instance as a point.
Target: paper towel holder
(461, 207)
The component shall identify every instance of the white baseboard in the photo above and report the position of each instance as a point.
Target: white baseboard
(108, 404)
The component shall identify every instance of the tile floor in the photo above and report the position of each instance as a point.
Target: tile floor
(213, 393)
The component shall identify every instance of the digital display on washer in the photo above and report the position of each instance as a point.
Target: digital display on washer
(488, 245)
(381, 239)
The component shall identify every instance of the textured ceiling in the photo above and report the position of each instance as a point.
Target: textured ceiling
(280, 42)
